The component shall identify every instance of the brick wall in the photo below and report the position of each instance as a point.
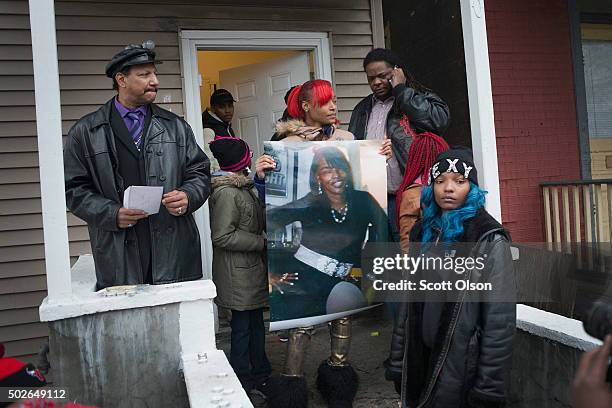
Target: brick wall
(534, 103)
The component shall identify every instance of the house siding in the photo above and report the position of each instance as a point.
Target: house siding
(534, 105)
(88, 34)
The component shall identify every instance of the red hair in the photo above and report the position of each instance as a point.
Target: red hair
(318, 92)
(422, 154)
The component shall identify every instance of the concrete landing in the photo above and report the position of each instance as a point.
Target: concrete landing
(368, 352)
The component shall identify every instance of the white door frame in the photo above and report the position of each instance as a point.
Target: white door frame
(192, 41)
(480, 96)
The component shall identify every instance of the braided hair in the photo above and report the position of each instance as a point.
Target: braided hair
(422, 154)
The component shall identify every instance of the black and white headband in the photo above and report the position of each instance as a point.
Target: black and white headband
(452, 164)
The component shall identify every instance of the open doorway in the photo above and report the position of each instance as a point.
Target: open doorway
(258, 80)
(316, 47)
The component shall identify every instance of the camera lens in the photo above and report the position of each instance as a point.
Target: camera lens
(598, 322)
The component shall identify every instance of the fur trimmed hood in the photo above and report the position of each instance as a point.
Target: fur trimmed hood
(222, 178)
(298, 128)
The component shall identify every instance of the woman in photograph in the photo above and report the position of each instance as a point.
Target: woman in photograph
(457, 353)
(335, 219)
(313, 109)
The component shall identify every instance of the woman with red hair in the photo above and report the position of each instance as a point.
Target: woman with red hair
(311, 114)
(313, 117)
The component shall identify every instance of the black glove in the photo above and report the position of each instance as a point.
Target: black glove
(392, 373)
(398, 387)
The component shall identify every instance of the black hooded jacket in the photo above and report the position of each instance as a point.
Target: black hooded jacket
(220, 128)
(469, 362)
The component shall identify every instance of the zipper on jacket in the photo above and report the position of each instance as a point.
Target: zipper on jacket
(404, 361)
(446, 349)
(441, 360)
(403, 395)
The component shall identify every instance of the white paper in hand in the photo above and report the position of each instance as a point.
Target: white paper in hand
(146, 198)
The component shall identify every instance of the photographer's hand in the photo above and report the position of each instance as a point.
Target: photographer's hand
(590, 389)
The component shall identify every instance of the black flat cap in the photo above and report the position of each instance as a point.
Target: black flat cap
(132, 55)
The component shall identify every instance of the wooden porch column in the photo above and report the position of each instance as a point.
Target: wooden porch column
(481, 101)
(51, 161)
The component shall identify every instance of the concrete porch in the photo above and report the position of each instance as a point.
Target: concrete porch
(369, 347)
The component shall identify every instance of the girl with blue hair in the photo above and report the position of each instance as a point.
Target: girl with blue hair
(455, 351)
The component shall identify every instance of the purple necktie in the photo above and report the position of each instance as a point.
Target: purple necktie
(136, 126)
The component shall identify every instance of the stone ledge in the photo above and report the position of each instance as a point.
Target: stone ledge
(211, 381)
(554, 327)
(85, 301)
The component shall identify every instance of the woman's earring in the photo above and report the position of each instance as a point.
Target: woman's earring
(320, 189)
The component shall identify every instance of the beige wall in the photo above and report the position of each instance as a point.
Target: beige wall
(211, 62)
(596, 31)
(601, 168)
(89, 32)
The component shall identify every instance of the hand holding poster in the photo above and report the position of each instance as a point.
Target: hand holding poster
(335, 200)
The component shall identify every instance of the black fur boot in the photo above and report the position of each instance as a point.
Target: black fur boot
(337, 384)
(283, 391)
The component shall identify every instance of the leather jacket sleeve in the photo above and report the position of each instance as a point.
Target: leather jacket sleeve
(358, 122)
(196, 178)
(426, 110)
(82, 199)
(498, 321)
(393, 364)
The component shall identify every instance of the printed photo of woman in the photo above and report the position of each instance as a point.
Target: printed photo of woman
(336, 219)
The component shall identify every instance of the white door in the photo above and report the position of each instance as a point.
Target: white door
(259, 90)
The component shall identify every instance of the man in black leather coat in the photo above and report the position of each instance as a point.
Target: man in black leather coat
(131, 141)
(396, 101)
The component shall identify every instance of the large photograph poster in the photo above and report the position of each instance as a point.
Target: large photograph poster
(324, 200)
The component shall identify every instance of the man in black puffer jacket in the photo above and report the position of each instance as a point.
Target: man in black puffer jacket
(396, 102)
(219, 118)
(217, 121)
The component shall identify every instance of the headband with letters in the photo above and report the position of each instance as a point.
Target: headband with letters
(455, 160)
